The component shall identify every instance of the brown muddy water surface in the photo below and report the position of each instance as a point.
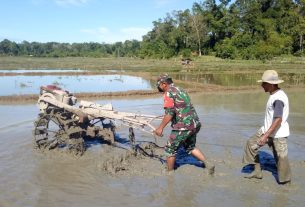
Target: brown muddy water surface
(32, 178)
(27, 82)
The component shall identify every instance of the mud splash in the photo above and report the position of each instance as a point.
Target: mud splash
(116, 159)
(125, 161)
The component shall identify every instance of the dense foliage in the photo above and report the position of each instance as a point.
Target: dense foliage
(54, 49)
(247, 29)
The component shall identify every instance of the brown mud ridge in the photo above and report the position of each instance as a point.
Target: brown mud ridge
(32, 98)
(119, 159)
(132, 161)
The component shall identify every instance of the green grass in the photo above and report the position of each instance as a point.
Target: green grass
(204, 64)
(292, 69)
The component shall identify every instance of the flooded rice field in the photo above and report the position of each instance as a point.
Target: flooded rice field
(25, 82)
(238, 79)
(23, 71)
(32, 178)
(21, 85)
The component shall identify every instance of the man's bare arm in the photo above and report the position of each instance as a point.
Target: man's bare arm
(166, 119)
(275, 125)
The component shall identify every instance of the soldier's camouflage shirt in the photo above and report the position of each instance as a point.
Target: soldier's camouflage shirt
(178, 104)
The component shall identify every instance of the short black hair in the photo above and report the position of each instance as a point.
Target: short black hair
(169, 81)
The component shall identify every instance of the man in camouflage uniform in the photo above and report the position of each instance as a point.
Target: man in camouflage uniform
(185, 123)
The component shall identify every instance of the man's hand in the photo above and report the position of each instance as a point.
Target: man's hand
(275, 125)
(262, 141)
(159, 132)
(166, 118)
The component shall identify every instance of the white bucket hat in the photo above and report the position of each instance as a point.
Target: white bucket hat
(270, 76)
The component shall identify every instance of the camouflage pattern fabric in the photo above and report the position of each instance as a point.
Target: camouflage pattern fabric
(177, 138)
(163, 78)
(178, 104)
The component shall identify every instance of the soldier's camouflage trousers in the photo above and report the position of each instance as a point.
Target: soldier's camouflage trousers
(187, 138)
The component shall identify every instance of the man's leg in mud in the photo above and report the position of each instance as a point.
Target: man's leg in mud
(257, 172)
(280, 152)
(190, 147)
(200, 156)
(251, 157)
(171, 147)
(171, 163)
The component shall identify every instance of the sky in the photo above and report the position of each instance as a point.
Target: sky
(78, 21)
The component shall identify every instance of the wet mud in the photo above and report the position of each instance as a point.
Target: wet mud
(131, 161)
(121, 175)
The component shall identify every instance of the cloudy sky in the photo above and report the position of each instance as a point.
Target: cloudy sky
(106, 21)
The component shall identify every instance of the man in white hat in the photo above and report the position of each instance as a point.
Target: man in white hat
(274, 132)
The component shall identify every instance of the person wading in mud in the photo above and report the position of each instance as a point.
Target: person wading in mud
(274, 132)
(185, 123)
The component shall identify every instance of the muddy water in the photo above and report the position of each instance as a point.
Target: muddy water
(30, 178)
(20, 71)
(237, 79)
(19, 85)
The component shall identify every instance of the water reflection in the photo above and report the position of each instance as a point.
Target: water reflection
(58, 70)
(20, 83)
(16, 85)
(238, 79)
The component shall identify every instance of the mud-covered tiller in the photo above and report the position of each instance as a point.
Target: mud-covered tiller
(63, 124)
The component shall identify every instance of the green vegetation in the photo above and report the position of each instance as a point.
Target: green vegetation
(203, 64)
(240, 29)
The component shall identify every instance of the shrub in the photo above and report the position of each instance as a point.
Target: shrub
(265, 52)
(226, 50)
(186, 53)
(299, 53)
(248, 53)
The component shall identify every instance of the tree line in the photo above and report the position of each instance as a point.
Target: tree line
(55, 49)
(246, 29)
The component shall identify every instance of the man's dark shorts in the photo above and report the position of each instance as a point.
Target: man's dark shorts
(186, 138)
